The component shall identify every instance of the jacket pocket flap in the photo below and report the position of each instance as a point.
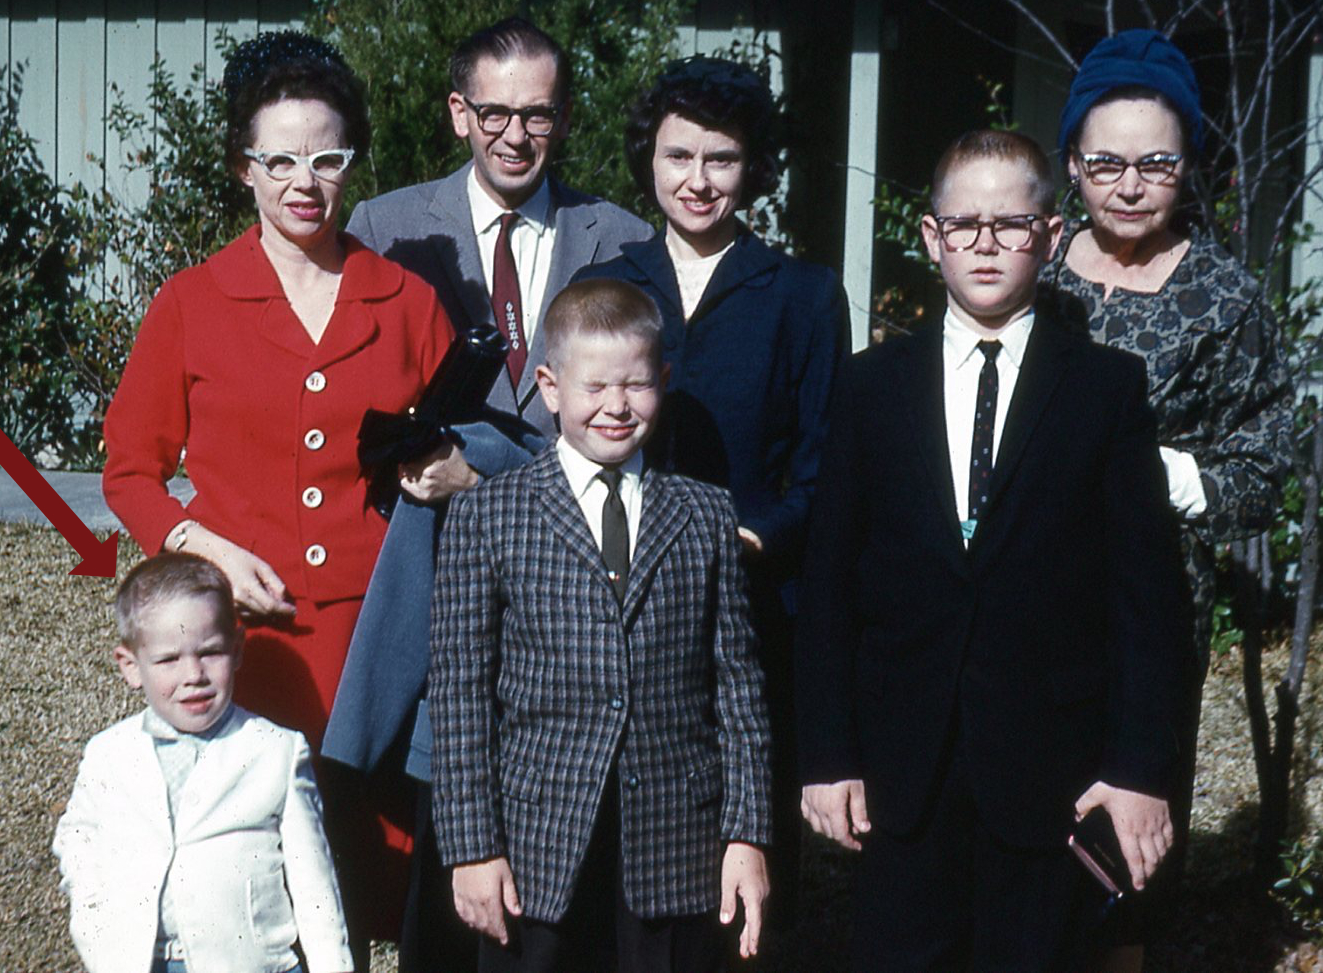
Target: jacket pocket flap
(522, 784)
(704, 784)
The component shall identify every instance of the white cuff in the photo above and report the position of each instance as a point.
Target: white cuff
(1185, 488)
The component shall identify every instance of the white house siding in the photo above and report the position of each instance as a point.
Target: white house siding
(73, 51)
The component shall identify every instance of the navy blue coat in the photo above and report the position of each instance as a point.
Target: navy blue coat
(751, 375)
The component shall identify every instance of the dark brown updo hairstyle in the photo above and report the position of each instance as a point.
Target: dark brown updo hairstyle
(714, 93)
(274, 67)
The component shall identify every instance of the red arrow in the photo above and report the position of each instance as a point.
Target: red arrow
(98, 557)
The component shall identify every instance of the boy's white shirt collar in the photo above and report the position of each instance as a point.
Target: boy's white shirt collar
(590, 492)
(961, 342)
(161, 729)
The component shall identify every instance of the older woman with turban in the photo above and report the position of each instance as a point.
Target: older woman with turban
(1139, 278)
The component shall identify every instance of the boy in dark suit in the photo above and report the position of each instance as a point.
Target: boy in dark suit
(993, 618)
(601, 741)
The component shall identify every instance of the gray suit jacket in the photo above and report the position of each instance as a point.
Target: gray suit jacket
(429, 229)
(540, 682)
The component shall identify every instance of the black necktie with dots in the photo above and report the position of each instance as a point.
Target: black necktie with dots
(985, 416)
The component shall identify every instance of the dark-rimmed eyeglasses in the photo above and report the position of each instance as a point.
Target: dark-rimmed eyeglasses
(1008, 232)
(326, 164)
(1157, 168)
(538, 120)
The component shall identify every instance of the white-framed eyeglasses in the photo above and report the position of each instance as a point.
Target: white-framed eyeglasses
(326, 164)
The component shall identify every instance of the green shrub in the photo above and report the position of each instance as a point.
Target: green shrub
(402, 50)
(1300, 888)
(41, 378)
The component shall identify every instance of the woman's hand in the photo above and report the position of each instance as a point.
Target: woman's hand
(439, 475)
(258, 590)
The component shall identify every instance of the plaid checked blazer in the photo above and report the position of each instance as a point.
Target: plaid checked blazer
(540, 680)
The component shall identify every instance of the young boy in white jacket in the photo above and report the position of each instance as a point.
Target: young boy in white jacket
(193, 841)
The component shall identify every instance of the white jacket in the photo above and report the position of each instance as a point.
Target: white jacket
(251, 867)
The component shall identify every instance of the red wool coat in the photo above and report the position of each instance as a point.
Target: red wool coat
(270, 419)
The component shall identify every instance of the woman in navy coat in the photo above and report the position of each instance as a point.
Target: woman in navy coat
(753, 339)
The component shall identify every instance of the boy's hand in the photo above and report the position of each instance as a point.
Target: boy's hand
(484, 892)
(837, 811)
(753, 544)
(1142, 823)
(440, 474)
(744, 873)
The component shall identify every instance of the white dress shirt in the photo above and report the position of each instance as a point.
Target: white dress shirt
(532, 240)
(961, 364)
(592, 492)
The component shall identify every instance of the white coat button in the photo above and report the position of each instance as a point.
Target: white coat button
(312, 497)
(315, 555)
(314, 439)
(315, 382)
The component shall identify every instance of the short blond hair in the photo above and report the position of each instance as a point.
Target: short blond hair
(990, 143)
(165, 577)
(601, 306)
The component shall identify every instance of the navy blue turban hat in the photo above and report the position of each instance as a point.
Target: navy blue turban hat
(1133, 57)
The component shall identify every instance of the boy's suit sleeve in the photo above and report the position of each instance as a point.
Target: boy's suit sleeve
(461, 691)
(746, 813)
(1149, 615)
(828, 629)
(309, 872)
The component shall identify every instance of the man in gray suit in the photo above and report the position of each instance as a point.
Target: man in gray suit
(503, 209)
(511, 103)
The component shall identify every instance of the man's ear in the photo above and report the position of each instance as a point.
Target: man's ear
(563, 119)
(128, 665)
(546, 384)
(459, 116)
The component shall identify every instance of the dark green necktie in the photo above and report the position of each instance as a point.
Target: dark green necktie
(615, 533)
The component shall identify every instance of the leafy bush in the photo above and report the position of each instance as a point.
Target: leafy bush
(193, 207)
(402, 53)
(1300, 888)
(41, 378)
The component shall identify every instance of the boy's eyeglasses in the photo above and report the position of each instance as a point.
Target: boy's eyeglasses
(1156, 168)
(1008, 232)
(326, 164)
(538, 120)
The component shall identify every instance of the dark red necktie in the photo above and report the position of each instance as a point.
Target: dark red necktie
(506, 304)
(985, 414)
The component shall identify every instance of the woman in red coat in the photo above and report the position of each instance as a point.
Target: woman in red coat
(256, 368)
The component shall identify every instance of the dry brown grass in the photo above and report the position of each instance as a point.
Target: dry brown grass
(58, 687)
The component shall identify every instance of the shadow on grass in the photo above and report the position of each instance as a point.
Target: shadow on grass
(1224, 924)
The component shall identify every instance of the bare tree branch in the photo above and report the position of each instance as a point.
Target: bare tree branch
(1042, 28)
(988, 38)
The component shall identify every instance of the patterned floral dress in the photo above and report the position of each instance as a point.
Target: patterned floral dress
(1217, 380)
